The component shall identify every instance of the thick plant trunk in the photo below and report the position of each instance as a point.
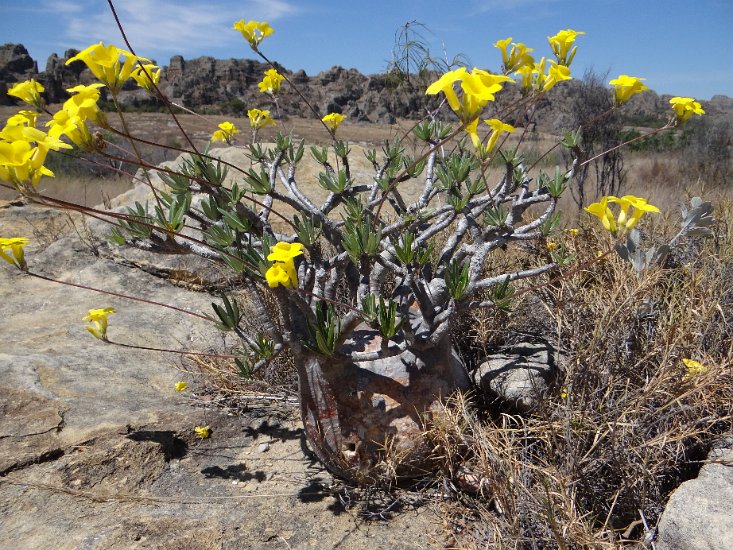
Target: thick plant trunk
(359, 416)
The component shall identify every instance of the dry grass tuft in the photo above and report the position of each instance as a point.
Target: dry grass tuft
(588, 469)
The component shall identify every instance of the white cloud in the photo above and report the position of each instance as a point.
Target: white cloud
(163, 27)
(63, 7)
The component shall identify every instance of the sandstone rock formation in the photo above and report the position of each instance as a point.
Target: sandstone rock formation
(230, 86)
(15, 65)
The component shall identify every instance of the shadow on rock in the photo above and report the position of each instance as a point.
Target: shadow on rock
(315, 491)
(234, 471)
(275, 432)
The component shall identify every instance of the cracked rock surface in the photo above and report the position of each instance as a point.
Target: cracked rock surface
(97, 450)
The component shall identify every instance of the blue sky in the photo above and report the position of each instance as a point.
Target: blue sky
(681, 47)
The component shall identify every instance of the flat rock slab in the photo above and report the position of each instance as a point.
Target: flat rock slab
(97, 450)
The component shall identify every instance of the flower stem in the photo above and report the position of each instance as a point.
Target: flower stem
(180, 352)
(117, 294)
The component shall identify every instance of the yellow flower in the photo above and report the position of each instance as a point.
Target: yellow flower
(29, 92)
(333, 120)
(445, 84)
(181, 386)
(282, 272)
(551, 245)
(23, 118)
(603, 212)
(555, 73)
(20, 161)
(98, 318)
(502, 46)
(497, 128)
(479, 87)
(271, 82)
(564, 393)
(104, 62)
(641, 207)
(253, 31)
(15, 161)
(626, 86)
(204, 432)
(694, 368)
(562, 45)
(15, 153)
(225, 132)
(147, 76)
(529, 75)
(685, 107)
(83, 102)
(284, 252)
(517, 57)
(73, 127)
(573, 232)
(534, 77)
(14, 246)
(259, 118)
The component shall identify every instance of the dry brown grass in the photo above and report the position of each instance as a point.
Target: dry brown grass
(584, 471)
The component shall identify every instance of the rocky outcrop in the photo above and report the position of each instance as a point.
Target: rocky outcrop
(15, 65)
(14, 59)
(59, 76)
(230, 86)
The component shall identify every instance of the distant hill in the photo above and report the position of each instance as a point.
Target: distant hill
(230, 86)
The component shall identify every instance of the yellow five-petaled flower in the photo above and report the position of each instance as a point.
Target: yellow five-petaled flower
(497, 129)
(204, 432)
(562, 45)
(626, 86)
(23, 150)
(104, 62)
(625, 221)
(332, 120)
(259, 118)
(282, 272)
(253, 31)
(271, 82)
(11, 250)
(479, 87)
(225, 132)
(515, 58)
(28, 91)
(98, 320)
(83, 102)
(694, 368)
(147, 76)
(685, 107)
